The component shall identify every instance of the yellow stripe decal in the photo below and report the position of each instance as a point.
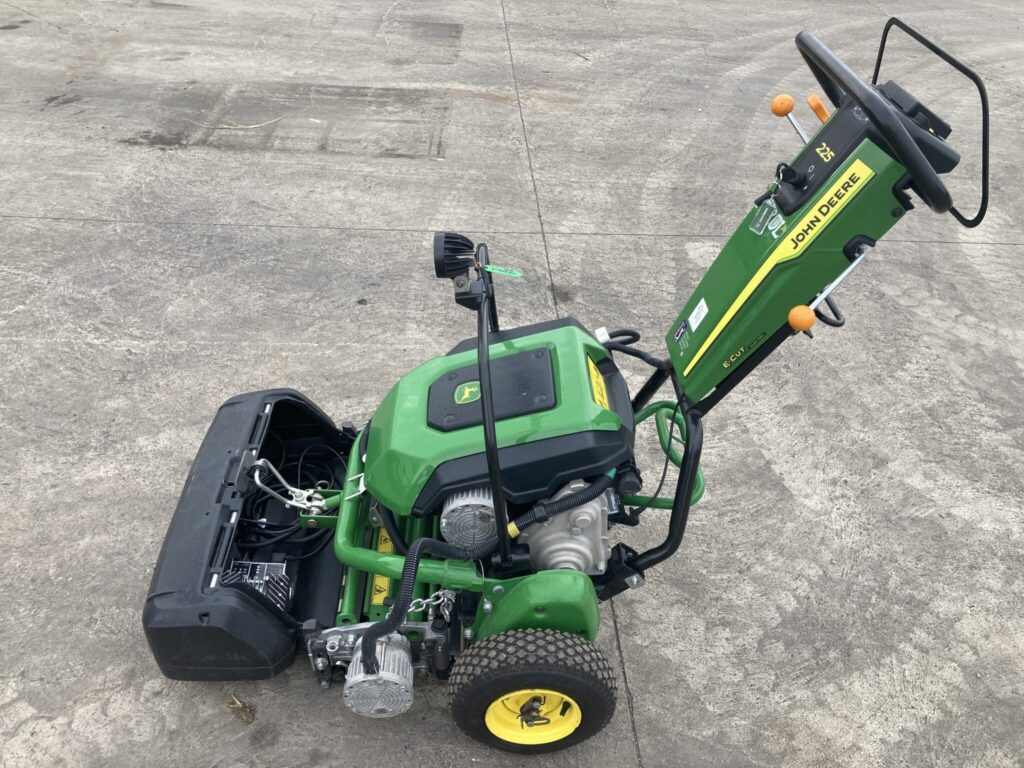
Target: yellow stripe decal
(797, 240)
(381, 585)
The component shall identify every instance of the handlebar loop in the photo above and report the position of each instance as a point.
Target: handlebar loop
(836, 78)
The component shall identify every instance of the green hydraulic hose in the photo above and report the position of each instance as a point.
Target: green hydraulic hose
(664, 411)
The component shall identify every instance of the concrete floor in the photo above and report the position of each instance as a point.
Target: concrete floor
(850, 591)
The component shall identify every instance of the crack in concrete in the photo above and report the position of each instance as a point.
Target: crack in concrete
(625, 682)
(529, 158)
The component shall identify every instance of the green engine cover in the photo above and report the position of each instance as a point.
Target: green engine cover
(403, 449)
(746, 295)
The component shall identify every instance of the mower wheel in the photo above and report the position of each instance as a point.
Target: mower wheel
(532, 690)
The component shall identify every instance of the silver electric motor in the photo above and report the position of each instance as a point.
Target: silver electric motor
(387, 693)
(467, 518)
(577, 539)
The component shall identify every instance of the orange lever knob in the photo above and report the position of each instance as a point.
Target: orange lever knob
(782, 105)
(818, 107)
(801, 318)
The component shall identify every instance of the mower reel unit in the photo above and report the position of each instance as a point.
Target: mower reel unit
(464, 532)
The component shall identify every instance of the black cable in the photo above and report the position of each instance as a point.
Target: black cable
(683, 497)
(546, 510)
(281, 442)
(328, 467)
(651, 360)
(664, 468)
(836, 320)
(286, 533)
(625, 333)
(387, 519)
(264, 525)
(324, 537)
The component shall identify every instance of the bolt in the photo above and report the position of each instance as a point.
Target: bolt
(312, 523)
(634, 581)
(487, 606)
(321, 663)
(467, 633)
(498, 589)
(575, 530)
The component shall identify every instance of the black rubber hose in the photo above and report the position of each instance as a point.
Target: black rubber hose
(651, 360)
(387, 519)
(837, 320)
(543, 511)
(403, 597)
(420, 547)
(625, 336)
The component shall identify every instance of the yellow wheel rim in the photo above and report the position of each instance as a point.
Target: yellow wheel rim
(533, 716)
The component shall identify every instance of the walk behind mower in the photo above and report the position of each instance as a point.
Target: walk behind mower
(467, 531)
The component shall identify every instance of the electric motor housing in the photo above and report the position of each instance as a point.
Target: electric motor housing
(388, 692)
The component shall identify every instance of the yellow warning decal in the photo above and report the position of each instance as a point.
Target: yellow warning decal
(597, 385)
(381, 585)
(795, 242)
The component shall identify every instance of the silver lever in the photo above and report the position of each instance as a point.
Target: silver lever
(782, 106)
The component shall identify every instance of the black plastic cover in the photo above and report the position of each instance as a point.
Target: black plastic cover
(523, 383)
(198, 628)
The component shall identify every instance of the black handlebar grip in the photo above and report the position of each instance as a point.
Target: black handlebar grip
(835, 78)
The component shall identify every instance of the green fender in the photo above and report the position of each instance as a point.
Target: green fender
(564, 600)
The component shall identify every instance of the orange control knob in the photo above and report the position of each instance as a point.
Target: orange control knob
(801, 318)
(782, 105)
(817, 107)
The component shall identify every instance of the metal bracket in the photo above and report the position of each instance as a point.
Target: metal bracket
(307, 500)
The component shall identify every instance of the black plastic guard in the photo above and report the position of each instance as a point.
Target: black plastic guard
(198, 628)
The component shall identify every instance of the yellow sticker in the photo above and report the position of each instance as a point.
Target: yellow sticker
(381, 585)
(597, 385)
(795, 242)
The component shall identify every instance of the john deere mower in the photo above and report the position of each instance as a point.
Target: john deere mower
(468, 530)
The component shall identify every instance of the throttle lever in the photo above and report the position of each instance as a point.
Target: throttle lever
(782, 106)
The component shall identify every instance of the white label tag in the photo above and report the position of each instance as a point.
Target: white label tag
(698, 314)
